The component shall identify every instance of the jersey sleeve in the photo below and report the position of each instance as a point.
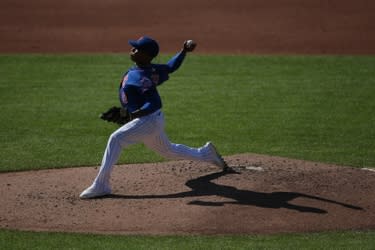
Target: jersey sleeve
(163, 70)
(175, 62)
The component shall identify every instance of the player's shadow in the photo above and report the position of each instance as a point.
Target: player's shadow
(203, 186)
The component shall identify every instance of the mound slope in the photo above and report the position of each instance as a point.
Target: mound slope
(267, 195)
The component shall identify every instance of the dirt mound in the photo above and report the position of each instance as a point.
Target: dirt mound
(267, 195)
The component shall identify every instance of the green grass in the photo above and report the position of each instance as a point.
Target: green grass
(315, 108)
(338, 240)
(50, 108)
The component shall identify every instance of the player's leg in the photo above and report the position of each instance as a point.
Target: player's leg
(160, 143)
(126, 135)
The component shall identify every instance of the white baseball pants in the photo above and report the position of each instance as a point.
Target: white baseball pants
(150, 131)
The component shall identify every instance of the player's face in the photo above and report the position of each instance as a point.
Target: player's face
(139, 57)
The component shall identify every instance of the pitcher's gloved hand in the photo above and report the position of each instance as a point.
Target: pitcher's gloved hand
(116, 115)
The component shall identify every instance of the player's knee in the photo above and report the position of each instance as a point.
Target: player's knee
(115, 138)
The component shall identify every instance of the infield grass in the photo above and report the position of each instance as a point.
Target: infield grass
(45, 241)
(314, 108)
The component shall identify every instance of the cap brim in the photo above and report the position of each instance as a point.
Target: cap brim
(133, 43)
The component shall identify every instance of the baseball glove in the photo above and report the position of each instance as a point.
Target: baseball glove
(116, 115)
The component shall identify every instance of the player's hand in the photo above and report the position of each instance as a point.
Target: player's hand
(189, 46)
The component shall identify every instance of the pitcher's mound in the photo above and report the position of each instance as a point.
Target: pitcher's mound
(267, 195)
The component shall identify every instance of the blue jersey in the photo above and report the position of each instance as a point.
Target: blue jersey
(138, 86)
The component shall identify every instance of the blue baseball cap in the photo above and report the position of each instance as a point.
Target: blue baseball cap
(146, 44)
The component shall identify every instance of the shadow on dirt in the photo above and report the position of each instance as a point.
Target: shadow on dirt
(202, 186)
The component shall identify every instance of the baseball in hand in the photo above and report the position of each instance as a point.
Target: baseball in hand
(190, 45)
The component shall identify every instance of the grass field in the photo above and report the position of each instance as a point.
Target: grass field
(314, 108)
(338, 240)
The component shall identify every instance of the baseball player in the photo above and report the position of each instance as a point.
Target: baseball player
(140, 99)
